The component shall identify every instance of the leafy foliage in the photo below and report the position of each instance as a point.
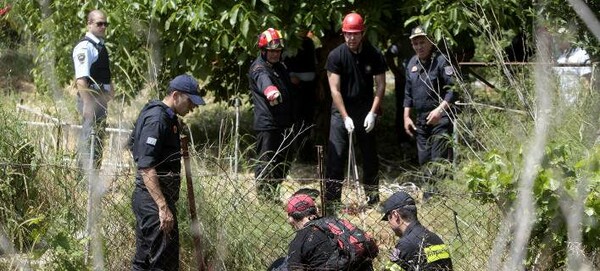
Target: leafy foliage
(555, 187)
(214, 40)
(557, 16)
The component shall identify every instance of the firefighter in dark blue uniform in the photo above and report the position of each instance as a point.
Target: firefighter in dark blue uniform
(428, 95)
(155, 146)
(273, 113)
(94, 86)
(352, 69)
(418, 248)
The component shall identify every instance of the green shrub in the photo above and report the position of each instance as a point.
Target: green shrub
(557, 182)
(19, 189)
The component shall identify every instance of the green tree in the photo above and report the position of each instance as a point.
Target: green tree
(214, 40)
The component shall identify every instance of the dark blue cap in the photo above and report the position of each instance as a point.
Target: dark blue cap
(397, 200)
(189, 85)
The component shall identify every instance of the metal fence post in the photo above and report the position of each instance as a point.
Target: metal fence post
(321, 176)
(90, 166)
(237, 104)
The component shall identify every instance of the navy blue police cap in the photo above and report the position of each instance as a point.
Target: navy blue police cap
(397, 200)
(187, 84)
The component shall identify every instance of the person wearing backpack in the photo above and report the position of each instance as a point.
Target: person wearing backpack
(325, 243)
(418, 248)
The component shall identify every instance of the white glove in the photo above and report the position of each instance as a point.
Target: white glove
(274, 98)
(370, 121)
(349, 124)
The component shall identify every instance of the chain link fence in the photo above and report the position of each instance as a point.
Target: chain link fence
(237, 230)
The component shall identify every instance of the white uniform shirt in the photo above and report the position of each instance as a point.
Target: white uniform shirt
(84, 55)
(570, 77)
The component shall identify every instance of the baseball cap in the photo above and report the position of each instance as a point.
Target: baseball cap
(299, 203)
(416, 32)
(187, 84)
(397, 200)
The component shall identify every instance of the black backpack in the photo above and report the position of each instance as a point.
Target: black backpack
(355, 246)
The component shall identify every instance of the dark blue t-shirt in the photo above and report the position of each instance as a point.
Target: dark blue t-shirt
(155, 143)
(356, 72)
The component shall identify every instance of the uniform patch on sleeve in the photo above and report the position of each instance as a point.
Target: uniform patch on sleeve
(151, 141)
(448, 70)
(414, 68)
(81, 57)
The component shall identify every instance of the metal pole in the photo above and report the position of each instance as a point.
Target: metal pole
(237, 104)
(354, 168)
(321, 176)
(192, 205)
(90, 165)
(453, 149)
(349, 169)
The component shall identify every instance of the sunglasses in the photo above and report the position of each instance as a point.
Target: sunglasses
(101, 24)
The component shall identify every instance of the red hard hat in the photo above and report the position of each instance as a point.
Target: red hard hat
(270, 39)
(353, 22)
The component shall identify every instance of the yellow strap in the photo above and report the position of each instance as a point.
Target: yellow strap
(392, 266)
(437, 252)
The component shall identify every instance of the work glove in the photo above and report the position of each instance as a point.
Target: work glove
(349, 124)
(370, 121)
(274, 97)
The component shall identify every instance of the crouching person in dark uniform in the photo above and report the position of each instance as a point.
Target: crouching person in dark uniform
(316, 244)
(273, 113)
(311, 247)
(418, 248)
(155, 145)
(428, 94)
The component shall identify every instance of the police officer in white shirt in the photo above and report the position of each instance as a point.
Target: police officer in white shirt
(574, 78)
(94, 86)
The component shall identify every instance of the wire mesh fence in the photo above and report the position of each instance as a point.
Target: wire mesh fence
(238, 230)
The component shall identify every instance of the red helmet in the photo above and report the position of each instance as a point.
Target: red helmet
(353, 23)
(270, 39)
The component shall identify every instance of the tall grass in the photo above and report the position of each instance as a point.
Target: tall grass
(19, 191)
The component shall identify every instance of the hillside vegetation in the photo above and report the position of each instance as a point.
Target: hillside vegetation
(525, 181)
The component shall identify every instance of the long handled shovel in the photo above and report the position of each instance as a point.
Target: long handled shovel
(353, 175)
(192, 204)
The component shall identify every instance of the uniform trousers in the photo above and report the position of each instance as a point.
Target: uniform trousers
(433, 141)
(337, 156)
(272, 147)
(305, 110)
(155, 250)
(95, 122)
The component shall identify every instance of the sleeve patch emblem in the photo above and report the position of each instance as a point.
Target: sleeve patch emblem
(448, 70)
(151, 141)
(414, 69)
(81, 57)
